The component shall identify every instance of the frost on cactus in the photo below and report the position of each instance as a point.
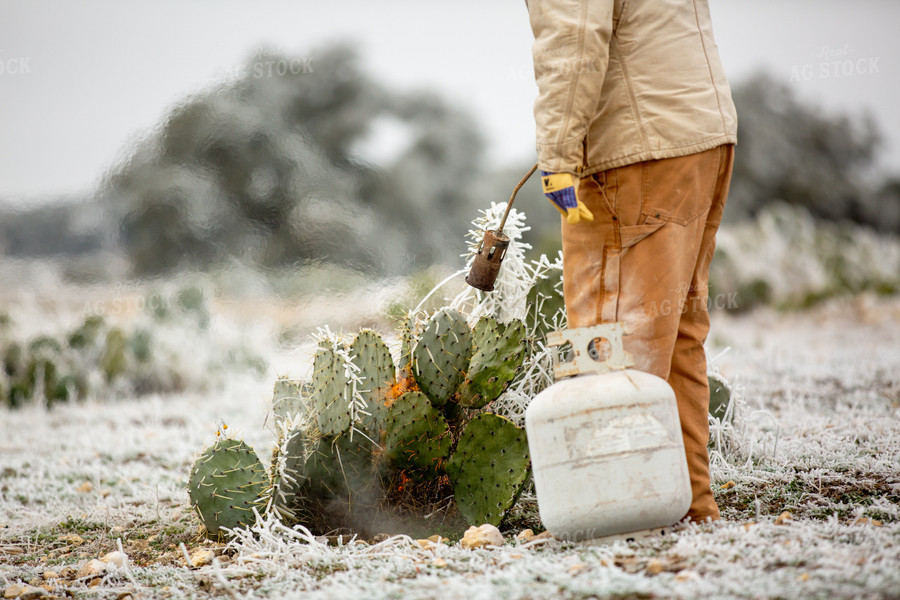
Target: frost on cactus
(546, 307)
(290, 400)
(489, 468)
(407, 343)
(226, 484)
(375, 438)
(393, 440)
(289, 474)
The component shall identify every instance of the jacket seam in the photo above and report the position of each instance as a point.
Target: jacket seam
(712, 79)
(579, 51)
(670, 152)
(632, 101)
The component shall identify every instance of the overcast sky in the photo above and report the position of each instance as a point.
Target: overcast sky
(80, 81)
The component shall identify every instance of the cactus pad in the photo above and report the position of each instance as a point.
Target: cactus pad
(498, 353)
(489, 468)
(719, 397)
(376, 367)
(546, 306)
(418, 438)
(289, 474)
(226, 483)
(442, 355)
(329, 388)
(290, 399)
(341, 468)
(407, 343)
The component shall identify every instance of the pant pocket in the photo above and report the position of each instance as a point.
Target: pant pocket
(629, 235)
(679, 190)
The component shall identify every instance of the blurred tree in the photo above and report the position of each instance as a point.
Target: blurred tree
(790, 151)
(263, 169)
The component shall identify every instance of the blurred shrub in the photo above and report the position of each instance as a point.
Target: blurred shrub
(170, 348)
(789, 151)
(264, 169)
(789, 259)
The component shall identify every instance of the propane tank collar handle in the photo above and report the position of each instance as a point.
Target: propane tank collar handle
(581, 340)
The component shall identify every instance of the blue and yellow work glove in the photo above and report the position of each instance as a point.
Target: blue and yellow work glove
(560, 190)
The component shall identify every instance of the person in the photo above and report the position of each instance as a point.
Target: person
(635, 138)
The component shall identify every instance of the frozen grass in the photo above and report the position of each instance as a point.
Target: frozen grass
(816, 434)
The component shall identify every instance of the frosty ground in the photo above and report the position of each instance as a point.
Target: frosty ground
(815, 435)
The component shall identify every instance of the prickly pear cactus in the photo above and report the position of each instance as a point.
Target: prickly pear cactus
(376, 368)
(226, 483)
(499, 350)
(417, 440)
(329, 387)
(289, 474)
(366, 429)
(442, 355)
(489, 468)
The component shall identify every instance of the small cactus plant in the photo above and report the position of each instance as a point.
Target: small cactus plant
(412, 432)
(362, 433)
(226, 484)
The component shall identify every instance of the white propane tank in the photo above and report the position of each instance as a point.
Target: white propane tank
(605, 442)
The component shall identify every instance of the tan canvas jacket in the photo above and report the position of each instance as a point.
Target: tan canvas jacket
(624, 81)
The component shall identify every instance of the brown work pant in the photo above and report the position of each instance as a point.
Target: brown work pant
(645, 260)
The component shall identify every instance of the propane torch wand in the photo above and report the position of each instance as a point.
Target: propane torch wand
(492, 250)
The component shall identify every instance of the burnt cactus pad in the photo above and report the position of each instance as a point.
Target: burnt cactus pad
(489, 468)
(418, 437)
(442, 355)
(498, 353)
(226, 483)
(341, 467)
